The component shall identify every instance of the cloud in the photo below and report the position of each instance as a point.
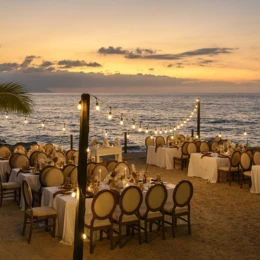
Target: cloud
(112, 50)
(151, 69)
(144, 51)
(77, 63)
(132, 55)
(28, 60)
(9, 66)
(46, 64)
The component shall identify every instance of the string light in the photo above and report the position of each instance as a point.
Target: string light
(79, 105)
(25, 120)
(155, 131)
(88, 150)
(97, 105)
(140, 127)
(219, 135)
(121, 120)
(73, 194)
(109, 114)
(133, 125)
(146, 130)
(64, 128)
(84, 236)
(106, 133)
(43, 123)
(6, 114)
(128, 134)
(245, 133)
(165, 131)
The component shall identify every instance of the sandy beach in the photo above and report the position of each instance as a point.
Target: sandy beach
(225, 225)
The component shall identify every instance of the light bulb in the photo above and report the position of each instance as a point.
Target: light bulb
(128, 134)
(121, 120)
(88, 150)
(140, 129)
(79, 105)
(84, 236)
(25, 120)
(133, 125)
(171, 130)
(43, 124)
(73, 194)
(6, 115)
(106, 132)
(64, 128)
(146, 131)
(109, 114)
(156, 132)
(97, 105)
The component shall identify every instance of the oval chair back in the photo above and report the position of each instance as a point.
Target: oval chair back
(184, 148)
(43, 173)
(214, 146)
(122, 167)
(67, 169)
(159, 140)
(149, 140)
(131, 200)
(198, 143)
(49, 148)
(19, 148)
(256, 158)
(111, 165)
(100, 171)
(73, 175)
(182, 194)
(245, 161)
(53, 177)
(5, 152)
(235, 159)
(18, 160)
(191, 148)
(204, 147)
(155, 198)
(69, 155)
(169, 139)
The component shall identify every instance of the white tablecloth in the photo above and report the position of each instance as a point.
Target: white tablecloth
(206, 167)
(4, 167)
(255, 171)
(163, 157)
(66, 209)
(103, 151)
(32, 179)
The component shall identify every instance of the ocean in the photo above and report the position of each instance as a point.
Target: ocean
(228, 114)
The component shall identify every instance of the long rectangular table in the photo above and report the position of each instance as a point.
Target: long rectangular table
(206, 167)
(255, 176)
(32, 179)
(162, 156)
(103, 151)
(65, 206)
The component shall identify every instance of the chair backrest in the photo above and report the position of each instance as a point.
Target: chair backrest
(214, 146)
(49, 148)
(122, 167)
(235, 159)
(245, 161)
(130, 200)
(43, 173)
(169, 138)
(184, 148)
(34, 147)
(67, 169)
(111, 165)
(69, 155)
(149, 140)
(250, 153)
(27, 194)
(182, 193)
(159, 140)
(5, 152)
(192, 148)
(19, 148)
(204, 147)
(90, 166)
(198, 143)
(60, 155)
(18, 160)
(33, 158)
(100, 171)
(103, 205)
(75, 157)
(210, 145)
(156, 197)
(53, 177)
(73, 175)
(256, 158)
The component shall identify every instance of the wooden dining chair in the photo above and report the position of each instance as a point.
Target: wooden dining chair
(73, 175)
(102, 206)
(182, 159)
(154, 213)
(100, 171)
(34, 215)
(69, 156)
(159, 140)
(256, 158)
(182, 195)
(129, 202)
(5, 152)
(198, 143)
(234, 162)
(111, 165)
(246, 164)
(204, 147)
(67, 169)
(122, 167)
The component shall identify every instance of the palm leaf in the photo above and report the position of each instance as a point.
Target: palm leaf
(15, 98)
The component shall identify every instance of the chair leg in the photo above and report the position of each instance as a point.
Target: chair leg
(241, 181)
(189, 227)
(91, 241)
(145, 232)
(54, 227)
(162, 229)
(111, 237)
(139, 233)
(24, 224)
(229, 177)
(120, 235)
(100, 235)
(173, 226)
(30, 232)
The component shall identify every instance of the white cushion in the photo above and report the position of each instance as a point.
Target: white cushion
(41, 211)
(126, 218)
(10, 185)
(151, 214)
(168, 208)
(97, 222)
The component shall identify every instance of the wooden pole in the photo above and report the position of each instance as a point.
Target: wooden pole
(125, 140)
(71, 141)
(198, 118)
(82, 170)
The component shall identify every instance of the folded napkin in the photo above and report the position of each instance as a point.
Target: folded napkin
(206, 155)
(62, 191)
(156, 147)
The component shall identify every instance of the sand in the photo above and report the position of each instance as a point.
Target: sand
(225, 225)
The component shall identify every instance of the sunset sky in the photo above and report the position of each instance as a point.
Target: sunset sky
(131, 45)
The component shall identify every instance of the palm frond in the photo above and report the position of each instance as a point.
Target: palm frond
(15, 98)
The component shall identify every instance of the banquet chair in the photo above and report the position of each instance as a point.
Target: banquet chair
(60, 155)
(154, 213)
(170, 138)
(36, 156)
(198, 143)
(9, 190)
(18, 160)
(256, 158)
(159, 141)
(5, 152)
(214, 146)
(129, 202)
(102, 206)
(67, 169)
(100, 171)
(183, 158)
(69, 155)
(250, 153)
(182, 195)
(53, 177)
(111, 165)
(75, 157)
(73, 175)
(34, 215)
(246, 164)
(149, 140)
(49, 148)
(233, 167)
(210, 145)
(217, 138)
(204, 147)
(123, 167)
(191, 148)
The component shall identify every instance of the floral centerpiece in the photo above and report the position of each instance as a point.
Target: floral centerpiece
(116, 180)
(106, 143)
(116, 142)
